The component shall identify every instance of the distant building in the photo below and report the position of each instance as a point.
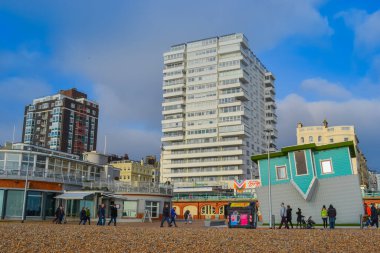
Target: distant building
(218, 101)
(310, 176)
(372, 181)
(50, 173)
(322, 135)
(136, 172)
(66, 122)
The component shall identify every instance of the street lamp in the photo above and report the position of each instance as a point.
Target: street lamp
(25, 189)
(269, 131)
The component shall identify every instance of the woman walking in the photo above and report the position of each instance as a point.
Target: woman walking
(299, 217)
(324, 216)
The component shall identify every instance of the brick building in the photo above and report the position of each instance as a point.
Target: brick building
(66, 122)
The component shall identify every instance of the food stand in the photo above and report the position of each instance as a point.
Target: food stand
(242, 215)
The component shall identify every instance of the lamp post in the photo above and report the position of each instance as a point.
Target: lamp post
(268, 131)
(25, 189)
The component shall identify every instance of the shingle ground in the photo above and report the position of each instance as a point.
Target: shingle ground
(149, 237)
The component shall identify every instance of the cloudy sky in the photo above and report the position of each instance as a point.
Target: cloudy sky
(324, 54)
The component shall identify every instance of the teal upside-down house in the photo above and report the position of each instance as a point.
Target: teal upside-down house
(308, 177)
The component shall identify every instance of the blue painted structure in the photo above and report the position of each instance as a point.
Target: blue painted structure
(339, 155)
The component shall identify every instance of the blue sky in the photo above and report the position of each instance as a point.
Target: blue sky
(324, 54)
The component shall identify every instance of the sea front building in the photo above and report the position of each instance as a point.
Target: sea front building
(218, 101)
(325, 134)
(66, 122)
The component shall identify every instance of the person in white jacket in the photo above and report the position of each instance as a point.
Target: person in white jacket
(283, 217)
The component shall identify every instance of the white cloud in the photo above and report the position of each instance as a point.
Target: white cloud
(366, 27)
(321, 88)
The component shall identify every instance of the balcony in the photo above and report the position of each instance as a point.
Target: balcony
(174, 94)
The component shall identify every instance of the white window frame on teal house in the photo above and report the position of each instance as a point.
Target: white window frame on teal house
(331, 166)
(295, 163)
(286, 172)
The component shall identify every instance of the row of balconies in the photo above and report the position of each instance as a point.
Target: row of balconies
(200, 174)
(202, 164)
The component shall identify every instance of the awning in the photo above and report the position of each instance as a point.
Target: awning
(115, 196)
(74, 195)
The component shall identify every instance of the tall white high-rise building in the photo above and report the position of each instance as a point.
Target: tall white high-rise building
(218, 102)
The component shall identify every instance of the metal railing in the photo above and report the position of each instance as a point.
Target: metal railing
(125, 187)
(373, 194)
(191, 197)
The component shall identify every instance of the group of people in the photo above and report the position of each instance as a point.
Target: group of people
(371, 215)
(85, 215)
(286, 216)
(102, 215)
(170, 215)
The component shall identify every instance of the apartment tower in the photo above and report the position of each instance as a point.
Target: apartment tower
(66, 122)
(219, 100)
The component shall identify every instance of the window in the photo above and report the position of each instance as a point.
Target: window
(310, 138)
(207, 210)
(326, 167)
(221, 210)
(130, 209)
(319, 138)
(152, 207)
(345, 138)
(331, 140)
(33, 206)
(302, 140)
(281, 172)
(300, 158)
(14, 203)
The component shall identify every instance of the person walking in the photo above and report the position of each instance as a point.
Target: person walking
(324, 216)
(82, 216)
(57, 211)
(88, 216)
(374, 216)
(331, 212)
(166, 215)
(173, 216)
(102, 215)
(283, 216)
(186, 216)
(113, 214)
(299, 217)
(289, 215)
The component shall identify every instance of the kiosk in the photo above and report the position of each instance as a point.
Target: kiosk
(242, 215)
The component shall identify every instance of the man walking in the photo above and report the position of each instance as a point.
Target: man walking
(289, 215)
(113, 214)
(102, 215)
(83, 216)
(173, 215)
(165, 215)
(374, 216)
(283, 216)
(331, 212)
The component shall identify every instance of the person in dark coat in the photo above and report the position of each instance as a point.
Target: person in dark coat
(374, 216)
(299, 217)
(83, 216)
(57, 211)
(113, 214)
(289, 215)
(166, 215)
(331, 212)
(102, 215)
(173, 216)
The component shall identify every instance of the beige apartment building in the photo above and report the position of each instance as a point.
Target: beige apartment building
(218, 101)
(135, 172)
(322, 135)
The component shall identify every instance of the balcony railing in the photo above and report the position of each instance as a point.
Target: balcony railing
(205, 197)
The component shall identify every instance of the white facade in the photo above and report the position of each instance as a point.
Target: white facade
(218, 100)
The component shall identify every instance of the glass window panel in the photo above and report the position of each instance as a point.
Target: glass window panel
(33, 204)
(13, 157)
(300, 162)
(130, 209)
(50, 204)
(281, 172)
(326, 167)
(14, 203)
(1, 201)
(2, 156)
